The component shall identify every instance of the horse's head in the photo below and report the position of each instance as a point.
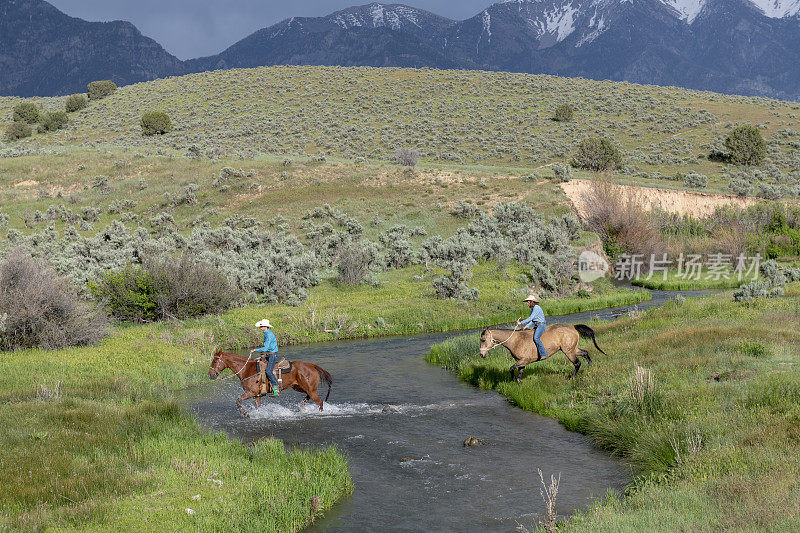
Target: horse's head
(217, 365)
(487, 342)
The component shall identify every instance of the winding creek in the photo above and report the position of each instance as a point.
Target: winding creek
(409, 466)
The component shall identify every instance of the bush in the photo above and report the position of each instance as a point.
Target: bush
(41, 309)
(564, 113)
(746, 146)
(164, 289)
(597, 153)
(561, 172)
(76, 102)
(695, 180)
(740, 187)
(756, 289)
(18, 130)
(408, 157)
(464, 210)
(53, 121)
(26, 112)
(356, 261)
(100, 89)
(156, 123)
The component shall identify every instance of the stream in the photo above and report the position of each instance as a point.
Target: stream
(409, 466)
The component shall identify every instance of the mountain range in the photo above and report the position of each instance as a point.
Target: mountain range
(749, 47)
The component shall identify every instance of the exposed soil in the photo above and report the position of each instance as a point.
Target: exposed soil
(697, 204)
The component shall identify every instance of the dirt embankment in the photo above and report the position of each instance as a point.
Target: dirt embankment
(697, 204)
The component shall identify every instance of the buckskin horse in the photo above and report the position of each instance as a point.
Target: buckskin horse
(520, 344)
(302, 377)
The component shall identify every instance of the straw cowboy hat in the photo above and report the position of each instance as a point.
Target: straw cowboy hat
(532, 297)
(263, 323)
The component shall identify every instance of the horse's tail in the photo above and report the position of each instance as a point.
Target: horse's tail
(585, 331)
(325, 376)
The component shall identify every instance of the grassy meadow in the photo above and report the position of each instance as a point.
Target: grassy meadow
(701, 397)
(95, 439)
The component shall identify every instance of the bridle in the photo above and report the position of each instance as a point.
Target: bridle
(494, 343)
(235, 374)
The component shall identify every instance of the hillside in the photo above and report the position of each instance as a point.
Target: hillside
(44, 51)
(748, 47)
(452, 117)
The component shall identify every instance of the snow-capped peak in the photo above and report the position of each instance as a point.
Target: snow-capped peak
(687, 9)
(377, 16)
(778, 8)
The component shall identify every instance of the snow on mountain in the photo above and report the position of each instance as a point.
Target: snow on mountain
(375, 15)
(687, 9)
(778, 8)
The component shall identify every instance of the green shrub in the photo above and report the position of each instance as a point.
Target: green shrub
(564, 113)
(76, 102)
(41, 309)
(695, 180)
(26, 112)
(18, 130)
(128, 294)
(746, 146)
(100, 89)
(164, 289)
(53, 121)
(156, 123)
(597, 153)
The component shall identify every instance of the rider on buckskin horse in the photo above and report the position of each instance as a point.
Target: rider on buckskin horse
(270, 353)
(536, 322)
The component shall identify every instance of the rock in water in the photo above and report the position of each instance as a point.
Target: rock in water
(474, 441)
(390, 409)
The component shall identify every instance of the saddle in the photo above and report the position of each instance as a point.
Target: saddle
(280, 367)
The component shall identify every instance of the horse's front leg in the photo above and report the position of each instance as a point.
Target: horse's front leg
(244, 396)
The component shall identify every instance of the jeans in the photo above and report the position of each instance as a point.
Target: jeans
(272, 358)
(537, 334)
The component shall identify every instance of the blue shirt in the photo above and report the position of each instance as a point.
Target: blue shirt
(270, 343)
(537, 317)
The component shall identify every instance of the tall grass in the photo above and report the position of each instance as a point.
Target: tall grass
(701, 398)
(94, 440)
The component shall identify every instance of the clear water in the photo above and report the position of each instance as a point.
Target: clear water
(409, 465)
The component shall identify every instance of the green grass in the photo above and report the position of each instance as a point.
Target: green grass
(453, 117)
(674, 281)
(403, 303)
(722, 371)
(115, 452)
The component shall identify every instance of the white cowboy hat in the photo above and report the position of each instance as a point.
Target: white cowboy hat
(262, 323)
(532, 297)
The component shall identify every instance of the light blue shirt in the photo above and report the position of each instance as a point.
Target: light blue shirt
(537, 317)
(270, 343)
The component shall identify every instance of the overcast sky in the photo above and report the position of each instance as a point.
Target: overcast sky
(194, 28)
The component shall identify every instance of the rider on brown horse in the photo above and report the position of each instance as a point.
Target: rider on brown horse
(270, 351)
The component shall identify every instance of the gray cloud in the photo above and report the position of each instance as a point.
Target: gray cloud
(193, 28)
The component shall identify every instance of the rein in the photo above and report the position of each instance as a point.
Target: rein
(505, 341)
(236, 374)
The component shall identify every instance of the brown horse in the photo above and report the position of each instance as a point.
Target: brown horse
(520, 344)
(303, 377)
